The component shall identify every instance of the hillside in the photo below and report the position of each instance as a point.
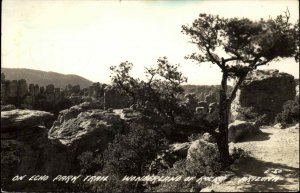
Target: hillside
(43, 78)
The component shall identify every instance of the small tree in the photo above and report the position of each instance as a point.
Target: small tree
(158, 97)
(238, 46)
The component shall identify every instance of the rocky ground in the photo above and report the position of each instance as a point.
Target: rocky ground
(270, 150)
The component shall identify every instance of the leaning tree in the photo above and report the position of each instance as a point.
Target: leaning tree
(238, 46)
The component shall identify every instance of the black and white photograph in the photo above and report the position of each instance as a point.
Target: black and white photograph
(149, 96)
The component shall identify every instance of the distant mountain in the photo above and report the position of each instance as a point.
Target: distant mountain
(43, 78)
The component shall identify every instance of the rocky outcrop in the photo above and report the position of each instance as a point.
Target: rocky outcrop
(19, 119)
(7, 107)
(266, 92)
(82, 124)
(95, 125)
(168, 157)
(26, 150)
(238, 130)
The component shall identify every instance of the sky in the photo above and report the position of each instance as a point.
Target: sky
(86, 37)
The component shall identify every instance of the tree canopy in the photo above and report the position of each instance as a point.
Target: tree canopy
(240, 44)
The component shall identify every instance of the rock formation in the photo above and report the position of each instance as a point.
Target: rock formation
(266, 92)
(77, 133)
(203, 157)
(26, 150)
(17, 93)
(240, 129)
(18, 119)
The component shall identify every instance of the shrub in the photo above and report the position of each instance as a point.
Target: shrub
(178, 169)
(238, 153)
(249, 114)
(129, 154)
(290, 113)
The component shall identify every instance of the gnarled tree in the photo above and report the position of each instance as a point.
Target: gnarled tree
(159, 97)
(238, 46)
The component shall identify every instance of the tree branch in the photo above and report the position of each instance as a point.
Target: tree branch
(214, 59)
(236, 87)
(262, 63)
(231, 59)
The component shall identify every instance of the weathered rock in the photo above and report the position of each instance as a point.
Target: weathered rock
(26, 150)
(22, 88)
(168, 157)
(50, 88)
(75, 99)
(208, 137)
(72, 112)
(180, 149)
(213, 107)
(130, 115)
(32, 154)
(18, 118)
(207, 190)
(88, 130)
(7, 107)
(203, 104)
(240, 129)
(279, 126)
(42, 90)
(201, 111)
(203, 158)
(12, 89)
(266, 92)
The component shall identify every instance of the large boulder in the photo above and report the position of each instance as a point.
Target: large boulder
(203, 158)
(265, 91)
(88, 130)
(7, 107)
(72, 112)
(168, 157)
(26, 150)
(241, 129)
(18, 118)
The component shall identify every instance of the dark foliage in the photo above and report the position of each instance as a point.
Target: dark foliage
(290, 113)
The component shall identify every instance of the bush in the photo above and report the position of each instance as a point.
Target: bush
(89, 162)
(290, 113)
(249, 114)
(178, 169)
(238, 153)
(129, 154)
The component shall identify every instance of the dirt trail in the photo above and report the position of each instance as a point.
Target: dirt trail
(272, 149)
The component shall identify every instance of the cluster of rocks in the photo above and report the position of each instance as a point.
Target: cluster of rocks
(26, 150)
(18, 93)
(206, 109)
(50, 98)
(28, 147)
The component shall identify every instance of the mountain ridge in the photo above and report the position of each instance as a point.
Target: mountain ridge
(44, 78)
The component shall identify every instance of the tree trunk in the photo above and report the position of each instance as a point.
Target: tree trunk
(222, 139)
